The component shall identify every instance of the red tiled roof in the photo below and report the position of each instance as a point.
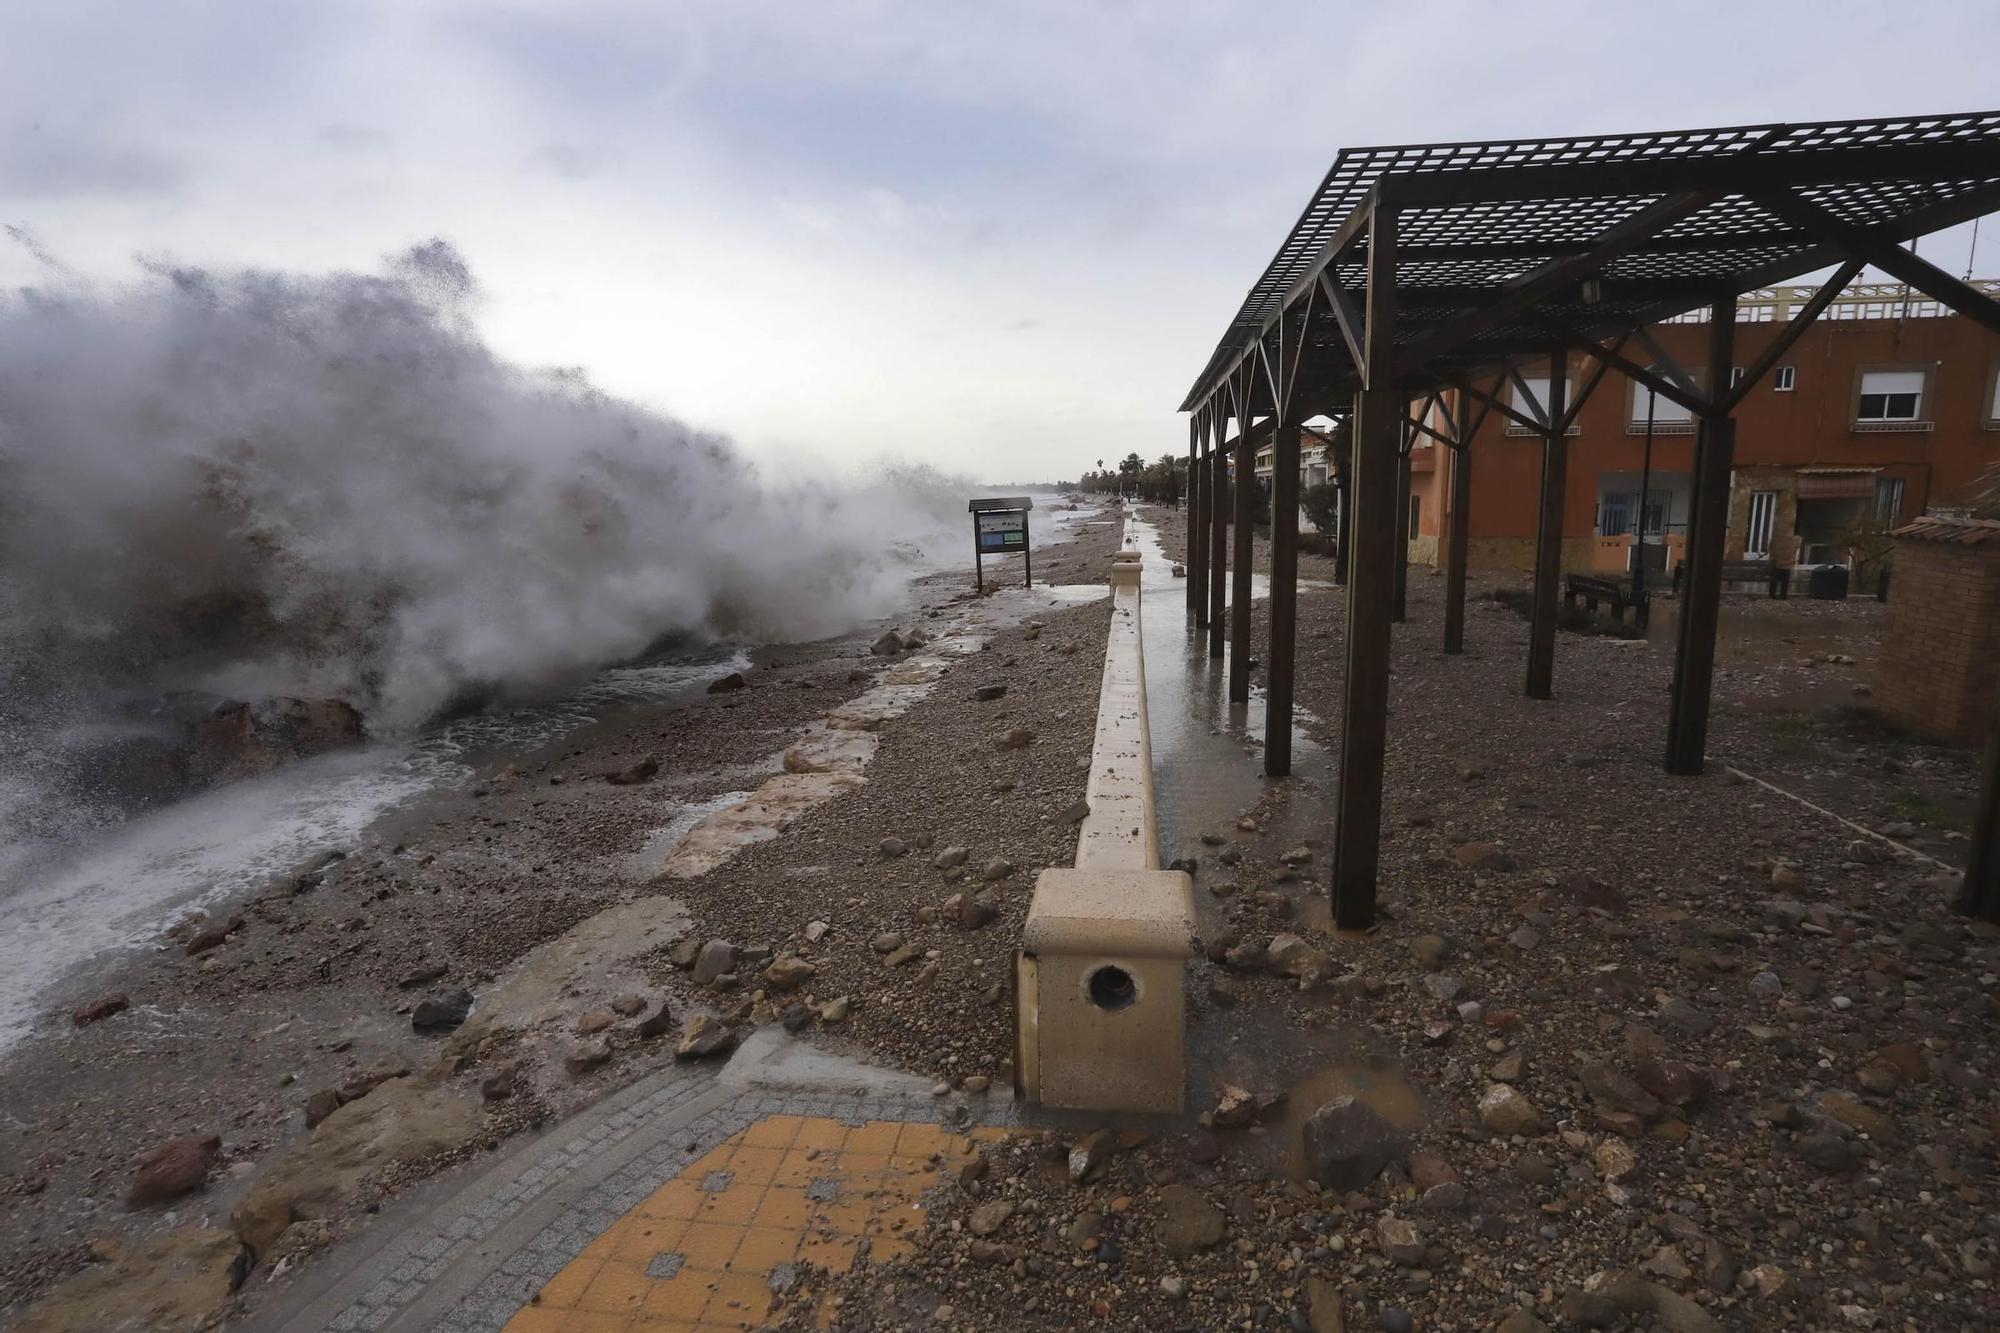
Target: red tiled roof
(1953, 531)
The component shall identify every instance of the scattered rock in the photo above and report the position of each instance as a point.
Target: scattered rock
(892, 848)
(703, 1037)
(1400, 1241)
(1016, 738)
(789, 973)
(100, 1009)
(656, 1024)
(986, 694)
(422, 976)
(179, 1166)
(988, 1218)
(1505, 1110)
(587, 1056)
(728, 684)
(1347, 1143)
(593, 1021)
(1091, 1154)
(1188, 1221)
(949, 859)
(443, 1012)
(717, 958)
(888, 645)
(643, 771)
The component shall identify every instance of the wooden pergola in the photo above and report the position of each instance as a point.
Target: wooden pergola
(1429, 276)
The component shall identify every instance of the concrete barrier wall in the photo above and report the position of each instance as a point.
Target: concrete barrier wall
(1120, 833)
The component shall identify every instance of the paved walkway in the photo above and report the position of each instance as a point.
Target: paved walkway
(683, 1202)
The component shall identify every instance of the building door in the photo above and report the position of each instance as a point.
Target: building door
(1763, 512)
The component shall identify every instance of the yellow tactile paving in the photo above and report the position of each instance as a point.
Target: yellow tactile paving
(697, 1255)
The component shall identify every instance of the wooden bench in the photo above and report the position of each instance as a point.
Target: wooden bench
(1593, 590)
(1776, 580)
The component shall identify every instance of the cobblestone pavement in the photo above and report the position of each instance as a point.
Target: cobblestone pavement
(679, 1203)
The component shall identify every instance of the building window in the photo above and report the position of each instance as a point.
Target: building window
(1993, 399)
(1614, 516)
(1784, 379)
(1416, 513)
(1662, 411)
(1735, 376)
(1890, 395)
(1889, 499)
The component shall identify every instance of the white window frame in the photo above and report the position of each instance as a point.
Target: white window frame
(1900, 376)
(1784, 379)
(1769, 522)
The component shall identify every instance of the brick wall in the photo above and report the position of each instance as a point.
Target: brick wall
(1940, 662)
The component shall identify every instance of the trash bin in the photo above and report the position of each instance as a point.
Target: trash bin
(1828, 583)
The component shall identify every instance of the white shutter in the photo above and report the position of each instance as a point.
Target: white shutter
(1892, 381)
(1664, 409)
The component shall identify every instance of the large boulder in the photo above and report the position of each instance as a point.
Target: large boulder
(178, 1280)
(403, 1122)
(1188, 1221)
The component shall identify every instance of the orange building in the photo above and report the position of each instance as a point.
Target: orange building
(1888, 406)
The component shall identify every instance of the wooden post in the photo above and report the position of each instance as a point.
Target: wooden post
(1549, 533)
(1343, 530)
(1981, 897)
(978, 560)
(1193, 564)
(1455, 554)
(1701, 589)
(1377, 429)
(1278, 661)
(1239, 582)
(1399, 595)
(1218, 533)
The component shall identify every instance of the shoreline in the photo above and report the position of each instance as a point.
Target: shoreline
(305, 995)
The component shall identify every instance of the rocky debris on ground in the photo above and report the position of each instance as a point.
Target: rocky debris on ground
(728, 684)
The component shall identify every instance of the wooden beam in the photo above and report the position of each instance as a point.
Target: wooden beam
(1193, 516)
(1701, 583)
(1279, 656)
(1548, 536)
(1239, 582)
(1218, 534)
(1666, 361)
(1536, 407)
(1788, 335)
(1981, 894)
(1378, 413)
(1694, 402)
(1531, 288)
(1460, 461)
(1344, 314)
(1493, 404)
(1884, 254)
(1583, 394)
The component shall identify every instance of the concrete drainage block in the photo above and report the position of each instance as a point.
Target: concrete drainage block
(1101, 994)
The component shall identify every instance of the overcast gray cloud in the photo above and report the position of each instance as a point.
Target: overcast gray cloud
(1002, 235)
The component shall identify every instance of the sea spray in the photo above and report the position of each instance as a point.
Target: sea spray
(251, 484)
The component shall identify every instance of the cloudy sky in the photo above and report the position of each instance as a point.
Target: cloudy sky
(998, 236)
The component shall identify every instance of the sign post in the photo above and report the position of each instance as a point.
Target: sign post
(1000, 527)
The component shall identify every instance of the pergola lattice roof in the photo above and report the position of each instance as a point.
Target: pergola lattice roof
(1710, 212)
